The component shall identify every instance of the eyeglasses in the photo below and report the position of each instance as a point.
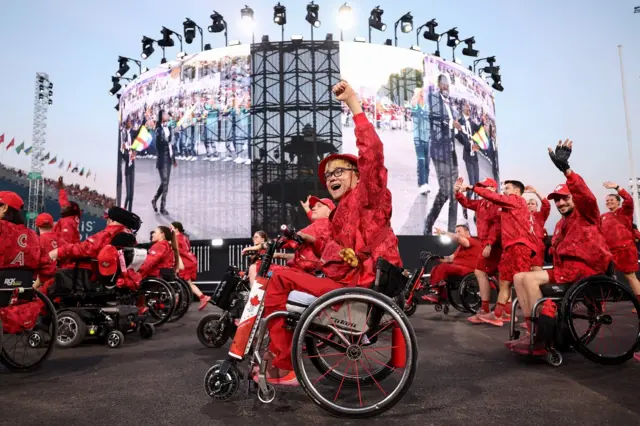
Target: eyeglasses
(338, 172)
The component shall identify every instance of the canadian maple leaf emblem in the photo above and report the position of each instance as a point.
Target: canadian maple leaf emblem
(255, 301)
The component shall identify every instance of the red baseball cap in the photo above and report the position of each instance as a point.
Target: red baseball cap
(108, 261)
(11, 199)
(322, 167)
(488, 182)
(44, 220)
(559, 191)
(327, 202)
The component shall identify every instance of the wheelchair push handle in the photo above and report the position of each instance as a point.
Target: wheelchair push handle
(427, 256)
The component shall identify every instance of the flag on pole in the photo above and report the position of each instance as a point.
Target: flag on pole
(54, 160)
(46, 157)
(12, 143)
(82, 172)
(89, 173)
(69, 166)
(61, 165)
(142, 140)
(28, 150)
(480, 138)
(75, 170)
(19, 148)
(2, 138)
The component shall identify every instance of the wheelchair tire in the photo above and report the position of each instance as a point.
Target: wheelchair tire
(182, 307)
(9, 358)
(209, 333)
(388, 307)
(469, 292)
(581, 341)
(152, 288)
(71, 330)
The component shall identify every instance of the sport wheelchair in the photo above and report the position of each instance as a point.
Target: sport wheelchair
(28, 322)
(584, 309)
(350, 321)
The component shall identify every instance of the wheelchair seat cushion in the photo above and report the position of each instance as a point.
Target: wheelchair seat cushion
(554, 290)
(298, 301)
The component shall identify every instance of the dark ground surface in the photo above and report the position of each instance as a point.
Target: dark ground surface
(465, 377)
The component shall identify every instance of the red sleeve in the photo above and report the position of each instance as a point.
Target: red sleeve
(467, 203)
(627, 203)
(154, 256)
(545, 211)
(504, 201)
(494, 227)
(88, 248)
(583, 198)
(309, 214)
(63, 199)
(373, 174)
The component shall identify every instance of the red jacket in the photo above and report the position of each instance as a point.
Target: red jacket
(578, 241)
(20, 247)
(467, 257)
(487, 218)
(184, 248)
(362, 216)
(305, 258)
(540, 218)
(67, 228)
(617, 226)
(160, 256)
(517, 225)
(91, 246)
(48, 242)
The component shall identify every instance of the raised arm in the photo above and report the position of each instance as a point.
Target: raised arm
(467, 203)
(545, 210)
(63, 199)
(627, 202)
(583, 199)
(504, 201)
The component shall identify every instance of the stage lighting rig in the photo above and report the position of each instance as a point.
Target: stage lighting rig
(375, 21)
(147, 47)
(218, 25)
(123, 66)
(312, 15)
(497, 81)
(190, 32)
(167, 41)
(469, 50)
(452, 37)
(406, 25)
(115, 81)
(345, 19)
(491, 69)
(280, 14)
(430, 34)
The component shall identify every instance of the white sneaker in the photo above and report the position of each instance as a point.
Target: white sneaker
(247, 162)
(238, 160)
(424, 189)
(228, 159)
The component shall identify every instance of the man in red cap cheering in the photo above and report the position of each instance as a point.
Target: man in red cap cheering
(48, 242)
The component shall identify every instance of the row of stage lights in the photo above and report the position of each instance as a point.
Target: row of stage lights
(345, 21)
(45, 90)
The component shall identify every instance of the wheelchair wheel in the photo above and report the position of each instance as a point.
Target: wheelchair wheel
(455, 299)
(366, 324)
(470, 294)
(183, 302)
(26, 350)
(213, 331)
(71, 330)
(601, 321)
(159, 298)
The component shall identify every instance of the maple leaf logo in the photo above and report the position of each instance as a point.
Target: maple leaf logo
(255, 301)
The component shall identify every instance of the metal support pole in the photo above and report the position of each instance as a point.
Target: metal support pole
(632, 169)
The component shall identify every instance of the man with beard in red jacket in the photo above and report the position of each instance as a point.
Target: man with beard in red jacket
(488, 225)
(539, 218)
(617, 226)
(578, 246)
(519, 243)
(360, 233)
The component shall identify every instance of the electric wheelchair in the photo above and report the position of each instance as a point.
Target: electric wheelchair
(28, 322)
(341, 337)
(587, 311)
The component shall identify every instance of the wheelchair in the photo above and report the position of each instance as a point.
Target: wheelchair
(28, 322)
(350, 321)
(584, 309)
(182, 292)
(90, 304)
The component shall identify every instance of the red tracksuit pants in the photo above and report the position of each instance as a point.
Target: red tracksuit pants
(282, 283)
(443, 271)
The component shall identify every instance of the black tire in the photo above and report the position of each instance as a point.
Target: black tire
(152, 288)
(397, 315)
(410, 310)
(46, 324)
(581, 342)
(115, 339)
(71, 330)
(455, 299)
(182, 307)
(210, 333)
(470, 294)
(147, 330)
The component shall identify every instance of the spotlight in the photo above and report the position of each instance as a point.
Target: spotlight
(50, 93)
(345, 17)
(41, 88)
(147, 47)
(207, 46)
(388, 42)
(246, 14)
(279, 14)
(117, 107)
(166, 41)
(218, 24)
(296, 37)
(50, 85)
(431, 34)
(497, 85)
(329, 37)
(265, 39)
(360, 39)
(469, 50)
(491, 69)
(116, 86)
(406, 22)
(452, 37)
(123, 67)
(40, 79)
(189, 30)
(50, 101)
(375, 20)
(312, 15)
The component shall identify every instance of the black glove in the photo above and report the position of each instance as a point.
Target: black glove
(561, 157)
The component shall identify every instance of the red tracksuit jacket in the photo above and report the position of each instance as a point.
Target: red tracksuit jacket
(67, 228)
(20, 247)
(487, 218)
(160, 256)
(617, 226)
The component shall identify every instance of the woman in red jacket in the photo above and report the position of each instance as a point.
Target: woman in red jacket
(260, 240)
(163, 253)
(188, 267)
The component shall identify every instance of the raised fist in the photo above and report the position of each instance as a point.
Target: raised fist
(561, 155)
(343, 91)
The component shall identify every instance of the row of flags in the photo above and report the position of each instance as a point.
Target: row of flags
(50, 160)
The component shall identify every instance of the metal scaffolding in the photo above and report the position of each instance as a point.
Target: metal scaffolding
(296, 123)
(42, 99)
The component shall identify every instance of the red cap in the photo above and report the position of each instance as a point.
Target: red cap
(323, 164)
(44, 220)
(488, 182)
(108, 261)
(559, 191)
(327, 202)
(11, 199)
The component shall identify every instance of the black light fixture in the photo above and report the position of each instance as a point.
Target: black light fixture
(189, 28)
(430, 33)
(147, 47)
(375, 21)
(406, 25)
(218, 25)
(50, 85)
(469, 50)
(123, 67)
(491, 69)
(497, 85)
(312, 15)
(207, 47)
(167, 41)
(116, 86)
(50, 101)
(280, 14)
(452, 37)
